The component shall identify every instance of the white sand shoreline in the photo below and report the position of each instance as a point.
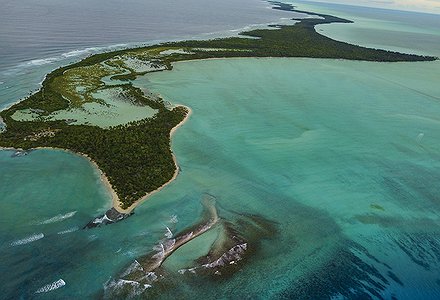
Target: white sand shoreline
(115, 202)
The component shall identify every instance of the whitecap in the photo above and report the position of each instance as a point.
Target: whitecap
(70, 230)
(38, 62)
(169, 233)
(136, 287)
(191, 270)
(74, 53)
(63, 56)
(161, 251)
(27, 240)
(51, 286)
(93, 237)
(174, 219)
(135, 266)
(58, 218)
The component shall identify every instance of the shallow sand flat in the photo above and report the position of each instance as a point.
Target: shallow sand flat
(118, 111)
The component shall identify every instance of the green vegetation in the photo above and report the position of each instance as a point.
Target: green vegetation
(136, 156)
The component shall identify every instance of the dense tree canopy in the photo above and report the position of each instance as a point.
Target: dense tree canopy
(136, 157)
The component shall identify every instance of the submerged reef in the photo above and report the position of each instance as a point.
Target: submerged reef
(332, 266)
(83, 107)
(111, 216)
(238, 240)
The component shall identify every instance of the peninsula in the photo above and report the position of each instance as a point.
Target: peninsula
(92, 107)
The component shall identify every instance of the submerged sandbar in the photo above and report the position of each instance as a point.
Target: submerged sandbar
(130, 142)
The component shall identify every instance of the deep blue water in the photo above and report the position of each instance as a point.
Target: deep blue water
(36, 37)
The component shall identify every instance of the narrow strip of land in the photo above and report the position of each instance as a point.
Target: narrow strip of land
(133, 152)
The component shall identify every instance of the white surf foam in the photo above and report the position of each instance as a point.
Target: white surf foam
(64, 56)
(174, 219)
(169, 233)
(70, 230)
(80, 52)
(136, 287)
(51, 286)
(27, 240)
(58, 218)
(38, 62)
(135, 266)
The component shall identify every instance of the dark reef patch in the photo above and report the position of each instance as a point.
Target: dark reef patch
(422, 248)
(240, 240)
(345, 275)
(111, 216)
(136, 157)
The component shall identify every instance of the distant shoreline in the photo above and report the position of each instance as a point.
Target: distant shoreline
(135, 167)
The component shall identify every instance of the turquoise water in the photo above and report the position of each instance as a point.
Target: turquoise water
(344, 156)
(349, 168)
(380, 28)
(32, 46)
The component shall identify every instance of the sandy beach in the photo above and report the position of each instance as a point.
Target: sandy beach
(116, 203)
(115, 199)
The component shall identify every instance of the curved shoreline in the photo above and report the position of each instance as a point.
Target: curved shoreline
(115, 202)
(259, 43)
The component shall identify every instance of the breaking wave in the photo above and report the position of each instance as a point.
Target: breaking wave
(71, 54)
(135, 266)
(70, 230)
(135, 288)
(58, 218)
(168, 233)
(51, 286)
(173, 219)
(27, 240)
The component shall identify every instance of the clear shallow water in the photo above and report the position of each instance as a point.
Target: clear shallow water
(36, 38)
(348, 171)
(34, 31)
(381, 28)
(348, 168)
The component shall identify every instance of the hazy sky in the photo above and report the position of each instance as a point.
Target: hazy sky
(432, 6)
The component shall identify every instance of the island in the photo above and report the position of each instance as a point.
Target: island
(92, 107)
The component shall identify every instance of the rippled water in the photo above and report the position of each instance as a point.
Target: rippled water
(37, 37)
(348, 171)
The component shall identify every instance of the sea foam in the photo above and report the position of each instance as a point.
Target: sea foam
(70, 230)
(27, 240)
(58, 218)
(63, 56)
(51, 286)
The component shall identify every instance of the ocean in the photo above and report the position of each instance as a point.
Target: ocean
(341, 156)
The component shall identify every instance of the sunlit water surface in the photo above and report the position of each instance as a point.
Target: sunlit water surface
(344, 156)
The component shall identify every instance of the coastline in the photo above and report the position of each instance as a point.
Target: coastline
(115, 202)
(308, 25)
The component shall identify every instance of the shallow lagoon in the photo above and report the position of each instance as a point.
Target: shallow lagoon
(116, 110)
(348, 171)
(349, 167)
